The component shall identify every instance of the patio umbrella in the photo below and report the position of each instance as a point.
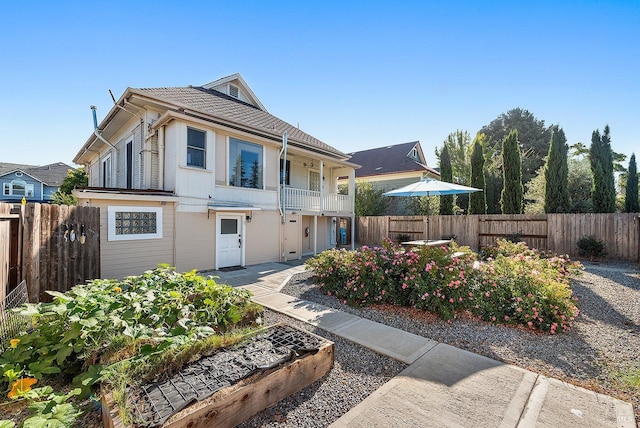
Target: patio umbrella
(431, 187)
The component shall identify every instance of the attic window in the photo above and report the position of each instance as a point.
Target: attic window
(233, 91)
(414, 153)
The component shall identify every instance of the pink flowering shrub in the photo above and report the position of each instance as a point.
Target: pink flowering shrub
(518, 286)
(527, 288)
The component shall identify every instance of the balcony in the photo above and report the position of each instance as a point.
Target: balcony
(312, 201)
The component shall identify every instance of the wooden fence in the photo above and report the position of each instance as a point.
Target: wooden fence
(58, 247)
(555, 232)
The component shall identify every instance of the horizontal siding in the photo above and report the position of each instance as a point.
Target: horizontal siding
(124, 258)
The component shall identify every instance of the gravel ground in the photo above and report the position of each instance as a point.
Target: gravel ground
(356, 373)
(604, 342)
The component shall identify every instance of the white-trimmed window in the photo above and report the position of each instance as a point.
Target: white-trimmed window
(196, 148)
(314, 181)
(245, 164)
(130, 223)
(106, 172)
(17, 188)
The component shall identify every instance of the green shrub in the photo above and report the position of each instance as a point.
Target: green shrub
(592, 247)
(402, 237)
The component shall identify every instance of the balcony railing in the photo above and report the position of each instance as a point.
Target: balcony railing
(310, 200)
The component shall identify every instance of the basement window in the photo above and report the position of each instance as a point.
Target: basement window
(132, 223)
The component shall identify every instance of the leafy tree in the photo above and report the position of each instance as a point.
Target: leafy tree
(603, 192)
(459, 146)
(556, 173)
(446, 174)
(511, 200)
(533, 138)
(534, 194)
(477, 201)
(75, 178)
(579, 183)
(369, 201)
(631, 194)
(493, 190)
(422, 205)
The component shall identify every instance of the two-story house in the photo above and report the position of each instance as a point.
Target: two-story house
(32, 182)
(204, 177)
(391, 167)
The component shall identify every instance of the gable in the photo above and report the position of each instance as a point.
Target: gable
(235, 87)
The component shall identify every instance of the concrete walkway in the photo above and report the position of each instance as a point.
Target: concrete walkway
(443, 386)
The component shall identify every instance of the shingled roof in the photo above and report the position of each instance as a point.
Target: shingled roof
(388, 160)
(51, 175)
(217, 104)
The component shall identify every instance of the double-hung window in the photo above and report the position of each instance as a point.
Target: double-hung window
(245, 164)
(196, 148)
(106, 172)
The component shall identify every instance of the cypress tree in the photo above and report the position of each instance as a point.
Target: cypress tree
(477, 201)
(511, 200)
(556, 174)
(631, 204)
(603, 191)
(446, 174)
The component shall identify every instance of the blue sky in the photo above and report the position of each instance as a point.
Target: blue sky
(356, 75)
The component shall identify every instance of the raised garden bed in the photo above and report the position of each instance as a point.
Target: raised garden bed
(230, 385)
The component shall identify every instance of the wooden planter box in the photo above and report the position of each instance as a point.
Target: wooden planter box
(237, 403)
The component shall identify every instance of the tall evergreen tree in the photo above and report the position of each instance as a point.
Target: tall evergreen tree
(631, 204)
(493, 189)
(459, 145)
(511, 200)
(477, 201)
(446, 174)
(556, 174)
(603, 191)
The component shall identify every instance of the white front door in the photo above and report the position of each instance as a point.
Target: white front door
(229, 240)
(292, 239)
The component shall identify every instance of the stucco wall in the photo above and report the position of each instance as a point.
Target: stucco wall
(195, 241)
(263, 238)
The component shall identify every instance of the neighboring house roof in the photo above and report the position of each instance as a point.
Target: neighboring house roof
(216, 104)
(51, 175)
(391, 159)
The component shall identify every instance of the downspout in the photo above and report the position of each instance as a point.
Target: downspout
(104, 140)
(283, 182)
(95, 129)
(161, 157)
